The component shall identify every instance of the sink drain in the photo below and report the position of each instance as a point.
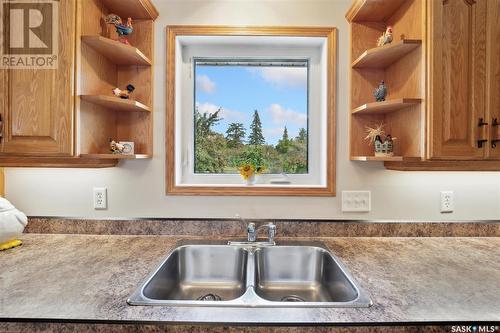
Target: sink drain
(209, 297)
(292, 298)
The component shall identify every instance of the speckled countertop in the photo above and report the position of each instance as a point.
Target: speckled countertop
(89, 277)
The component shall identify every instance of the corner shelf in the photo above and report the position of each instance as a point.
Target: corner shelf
(386, 106)
(372, 10)
(116, 103)
(383, 56)
(116, 156)
(141, 9)
(385, 158)
(116, 52)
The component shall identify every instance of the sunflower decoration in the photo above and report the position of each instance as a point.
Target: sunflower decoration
(253, 163)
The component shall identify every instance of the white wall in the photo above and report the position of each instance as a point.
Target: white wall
(137, 188)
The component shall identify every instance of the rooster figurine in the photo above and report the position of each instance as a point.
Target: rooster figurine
(386, 37)
(380, 92)
(122, 30)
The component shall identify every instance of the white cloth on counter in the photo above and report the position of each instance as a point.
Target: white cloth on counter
(12, 221)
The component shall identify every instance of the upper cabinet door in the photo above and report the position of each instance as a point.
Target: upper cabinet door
(37, 105)
(457, 74)
(493, 60)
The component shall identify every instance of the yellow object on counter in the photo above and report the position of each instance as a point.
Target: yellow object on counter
(10, 244)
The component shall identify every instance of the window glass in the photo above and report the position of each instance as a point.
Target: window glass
(250, 110)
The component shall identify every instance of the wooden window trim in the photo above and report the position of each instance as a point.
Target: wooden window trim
(189, 30)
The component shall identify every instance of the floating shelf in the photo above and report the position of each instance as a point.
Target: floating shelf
(116, 156)
(385, 158)
(116, 52)
(383, 56)
(115, 103)
(372, 10)
(139, 9)
(386, 106)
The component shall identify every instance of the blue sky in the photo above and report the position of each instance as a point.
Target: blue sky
(278, 93)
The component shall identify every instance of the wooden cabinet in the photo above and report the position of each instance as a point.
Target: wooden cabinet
(493, 78)
(64, 117)
(38, 104)
(458, 122)
(457, 78)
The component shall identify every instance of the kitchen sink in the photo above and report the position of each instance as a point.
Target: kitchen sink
(251, 275)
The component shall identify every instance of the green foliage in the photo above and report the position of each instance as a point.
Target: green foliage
(256, 136)
(235, 134)
(215, 153)
(302, 137)
(210, 146)
(284, 144)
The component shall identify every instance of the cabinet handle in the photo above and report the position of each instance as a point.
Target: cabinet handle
(481, 122)
(481, 142)
(494, 123)
(1, 128)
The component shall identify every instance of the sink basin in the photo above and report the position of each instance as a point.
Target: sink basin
(301, 274)
(251, 275)
(200, 273)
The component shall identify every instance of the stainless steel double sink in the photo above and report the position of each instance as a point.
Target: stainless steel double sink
(249, 275)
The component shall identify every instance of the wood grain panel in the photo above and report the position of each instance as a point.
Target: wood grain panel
(457, 78)
(38, 107)
(493, 72)
(373, 10)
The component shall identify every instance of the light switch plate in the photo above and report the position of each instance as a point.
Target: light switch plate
(356, 201)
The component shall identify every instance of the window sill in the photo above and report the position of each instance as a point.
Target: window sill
(251, 190)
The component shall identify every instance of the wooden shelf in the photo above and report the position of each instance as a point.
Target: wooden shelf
(386, 106)
(115, 156)
(117, 52)
(385, 158)
(116, 103)
(137, 9)
(372, 10)
(383, 56)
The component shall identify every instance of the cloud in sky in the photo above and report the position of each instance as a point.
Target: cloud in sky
(294, 77)
(205, 84)
(227, 114)
(282, 116)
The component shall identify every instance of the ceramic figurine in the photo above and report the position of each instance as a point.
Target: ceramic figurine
(386, 37)
(122, 30)
(116, 147)
(125, 94)
(380, 92)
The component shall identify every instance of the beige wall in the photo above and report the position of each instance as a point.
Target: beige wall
(136, 188)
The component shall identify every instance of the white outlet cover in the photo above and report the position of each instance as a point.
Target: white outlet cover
(100, 198)
(356, 201)
(447, 202)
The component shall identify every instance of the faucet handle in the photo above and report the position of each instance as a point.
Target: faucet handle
(251, 232)
(271, 230)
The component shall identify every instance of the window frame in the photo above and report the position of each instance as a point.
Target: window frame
(172, 122)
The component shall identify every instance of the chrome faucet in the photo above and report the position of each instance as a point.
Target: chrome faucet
(252, 232)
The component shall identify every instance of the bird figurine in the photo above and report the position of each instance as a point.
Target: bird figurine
(380, 92)
(124, 94)
(386, 37)
(122, 30)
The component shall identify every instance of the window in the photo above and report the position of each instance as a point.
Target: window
(234, 98)
(232, 125)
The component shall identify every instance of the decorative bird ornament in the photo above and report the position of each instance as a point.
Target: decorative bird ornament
(122, 30)
(386, 37)
(380, 92)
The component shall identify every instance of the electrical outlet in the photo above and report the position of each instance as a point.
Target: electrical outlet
(100, 198)
(447, 204)
(356, 201)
